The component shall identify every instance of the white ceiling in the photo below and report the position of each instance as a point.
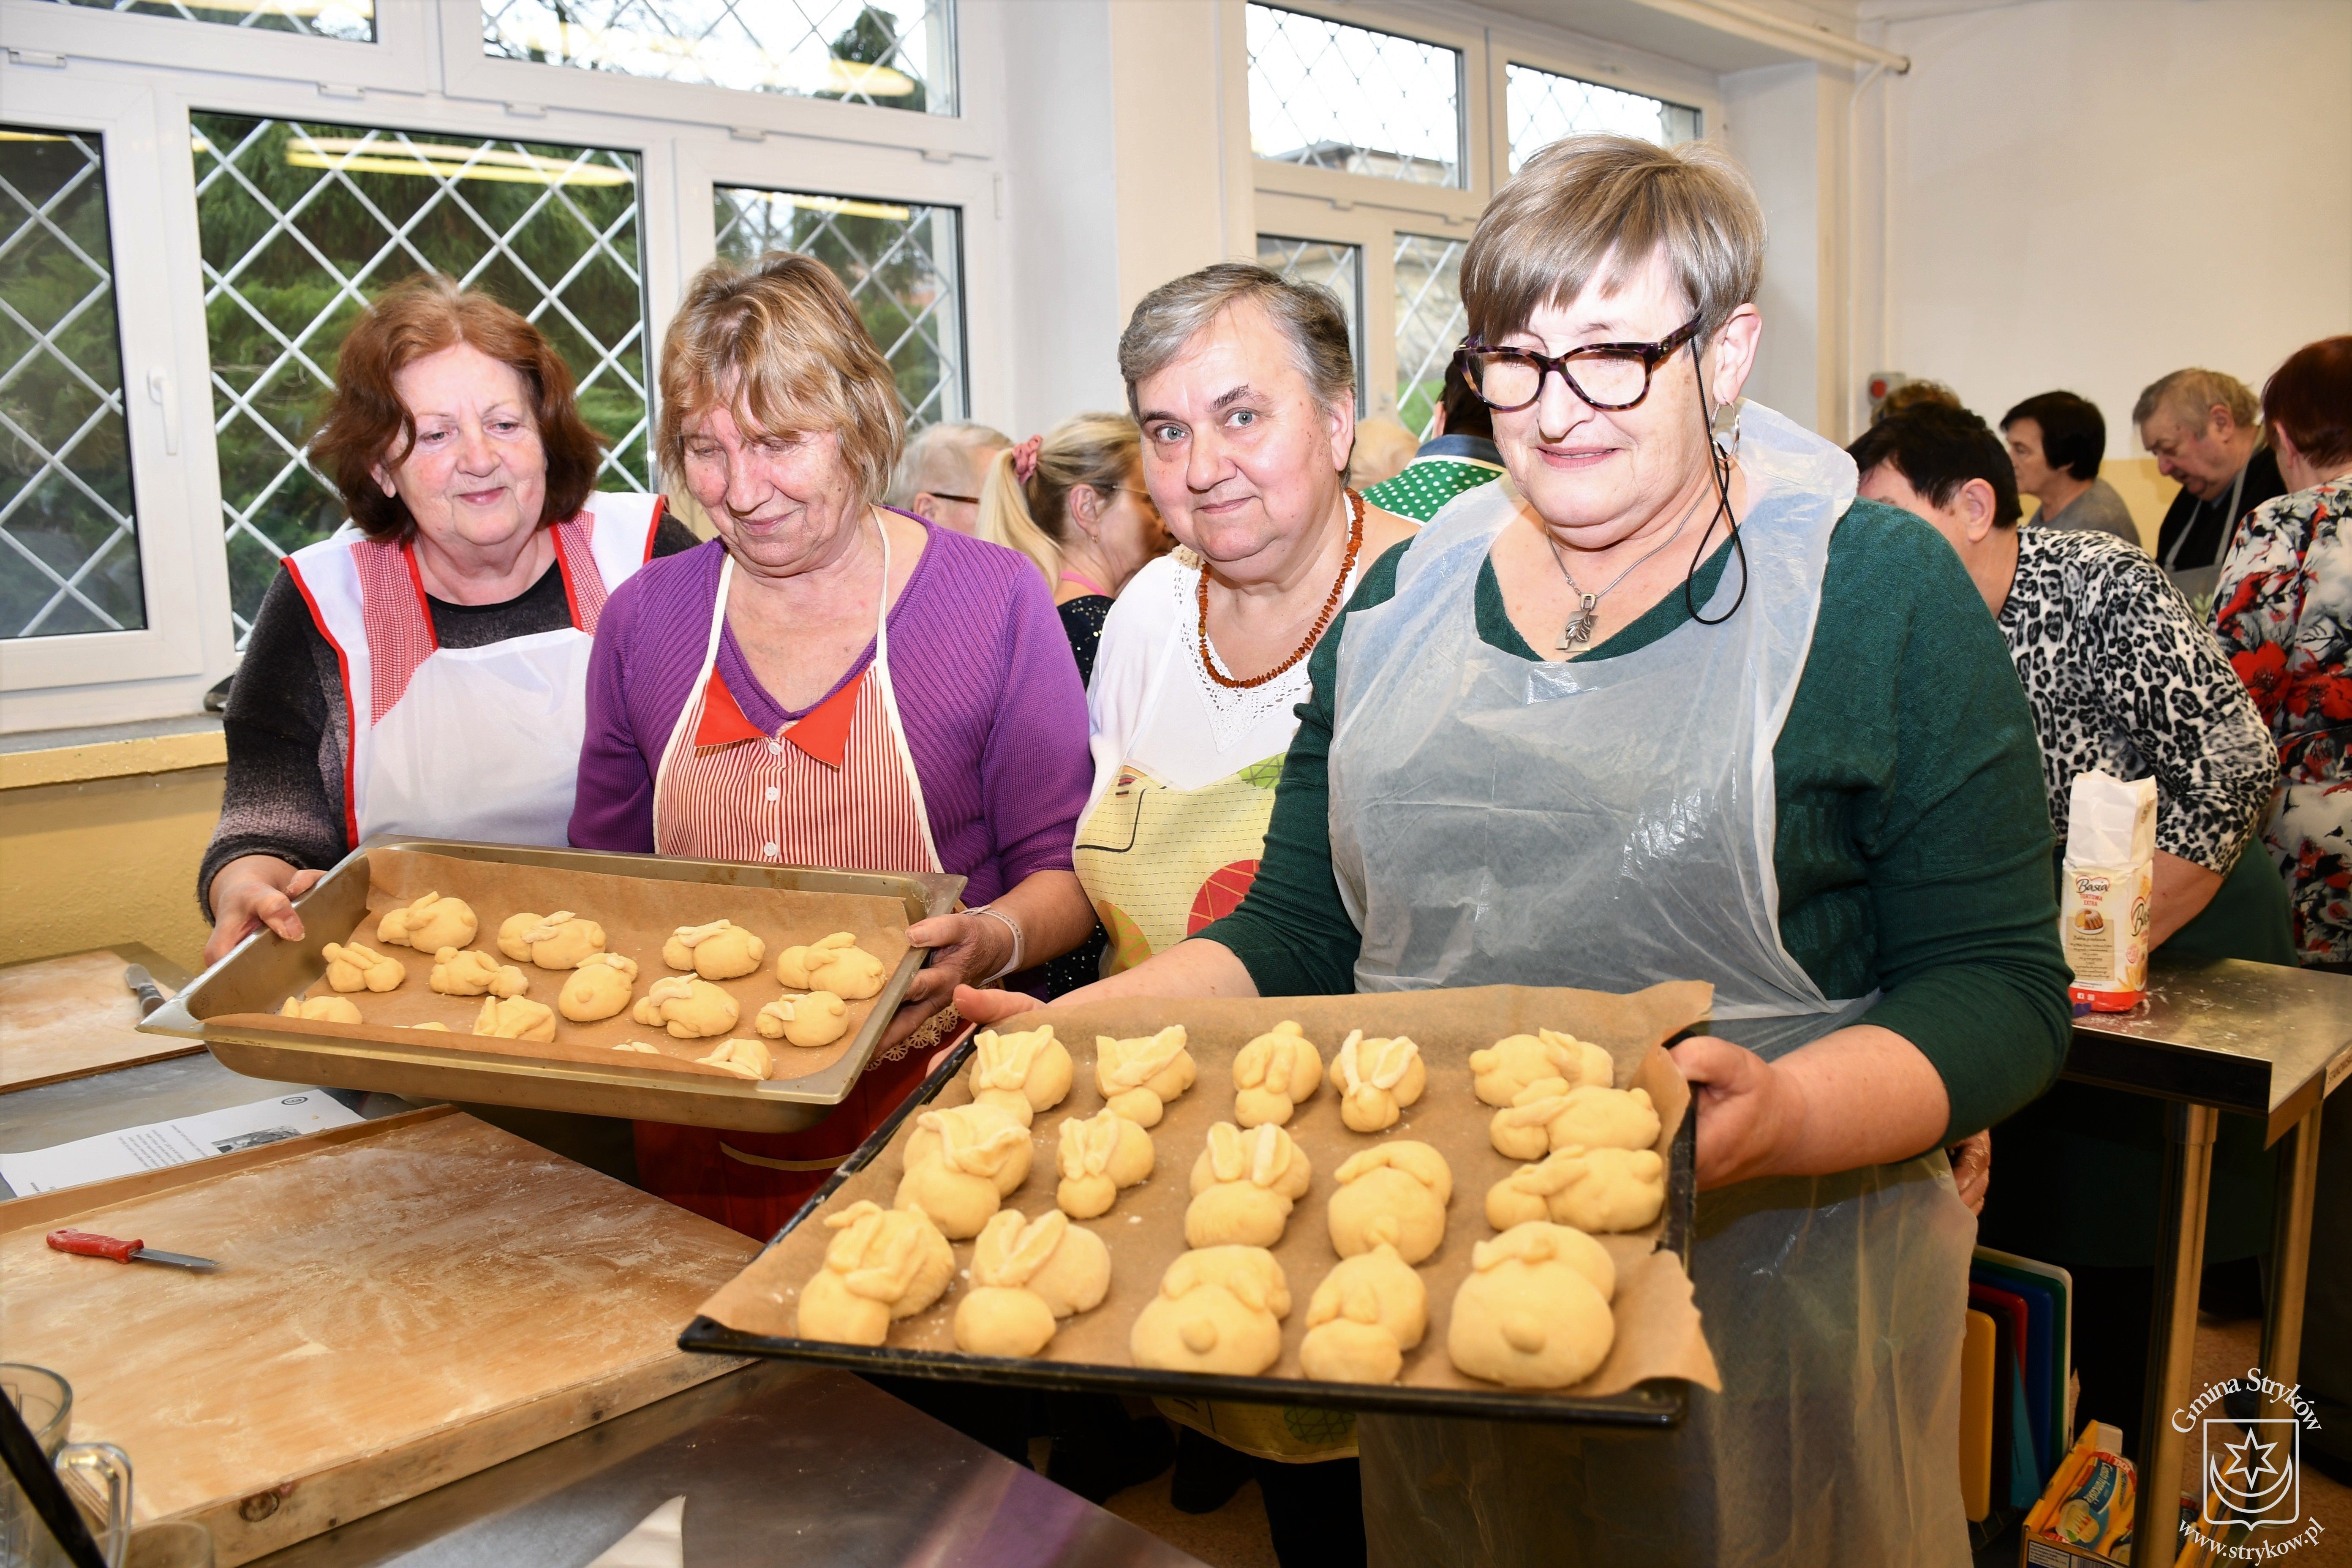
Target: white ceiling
(1676, 37)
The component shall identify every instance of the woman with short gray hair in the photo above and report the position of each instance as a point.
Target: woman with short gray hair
(1673, 705)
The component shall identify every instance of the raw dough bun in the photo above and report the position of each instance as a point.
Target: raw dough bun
(429, 924)
(689, 1009)
(1028, 1273)
(321, 1010)
(744, 1059)
(638, 1048)
(834, 964)
(1394, 1191)
(1509, 1065)
(1548, 1115)
(1021, 1073)
(472, 973)
(560, 940)
(816, 1019)
(599, 988)
(1099, 1155)
(516, 1019)
(1273, 1074)
(1138, 1077)
(720, 950)
(993, 1320)
(1375, 1079)
(1591, 1189)
(1534, 1312)
(351, 967)
(1365, 1315)
(1244, 1184)
(884, 1264)
(1218, 1309)
(961, 1165)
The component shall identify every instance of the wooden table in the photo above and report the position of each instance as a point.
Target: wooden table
(70, 1016)
(2257, 1038)
(402, 1302)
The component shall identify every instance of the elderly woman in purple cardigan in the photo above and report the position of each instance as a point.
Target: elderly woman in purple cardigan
(830, 683)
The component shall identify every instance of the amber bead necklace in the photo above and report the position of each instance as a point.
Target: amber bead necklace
(1331, 608)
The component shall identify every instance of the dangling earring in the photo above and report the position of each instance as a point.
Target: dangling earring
(1725, 429)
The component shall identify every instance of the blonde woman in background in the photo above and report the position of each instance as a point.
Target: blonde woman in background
(1073, 501)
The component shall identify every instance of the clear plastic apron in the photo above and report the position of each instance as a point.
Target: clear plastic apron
(1609, 823)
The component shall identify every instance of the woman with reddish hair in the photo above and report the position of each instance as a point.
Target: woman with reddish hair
(423, 669)
(2283, 610)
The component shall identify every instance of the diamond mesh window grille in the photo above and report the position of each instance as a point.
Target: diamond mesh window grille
(1334, 97)
(1540, 107)
(1338, 268)
(849, 50)
(1430, 324)
(69, 529)
(302, 224)
(352, 19)
(901, 263)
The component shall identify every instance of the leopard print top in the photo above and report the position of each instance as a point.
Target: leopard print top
(2121, 675)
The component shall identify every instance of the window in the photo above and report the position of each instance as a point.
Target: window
(902, 264)
(302, 224)
(893, 56)
(353, 19)
(1329, 96)
(1337, 268)
(1429, 324)
(69, 529)
(1542, 107)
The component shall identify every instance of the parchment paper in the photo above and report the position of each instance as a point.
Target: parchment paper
(639, 914)
(1658, 1329)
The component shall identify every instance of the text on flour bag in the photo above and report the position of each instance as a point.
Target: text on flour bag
(2104, 889)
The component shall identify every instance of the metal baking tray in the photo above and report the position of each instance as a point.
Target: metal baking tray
(1660, 1402)
(265, 968)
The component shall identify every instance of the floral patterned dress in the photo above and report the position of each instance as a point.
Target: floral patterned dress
(2283, 610)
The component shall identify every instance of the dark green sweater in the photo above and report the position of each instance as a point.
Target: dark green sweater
(1914, 843)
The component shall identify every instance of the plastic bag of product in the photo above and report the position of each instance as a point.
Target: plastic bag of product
(2107, 881)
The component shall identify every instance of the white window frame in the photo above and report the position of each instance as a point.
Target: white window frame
(135, 80)
(875, 174)
(185, 632)
(1620, 69)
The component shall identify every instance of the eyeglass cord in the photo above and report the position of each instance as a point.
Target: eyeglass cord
(1720, 462)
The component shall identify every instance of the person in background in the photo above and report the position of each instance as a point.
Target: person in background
(1459, 455)
(939, 475)
(2121, 676)
(2203, 429)
(462, 594)
(2283, 609)
(1912, 394)
(1383, 447)
(1073, 501)
(2055, 442)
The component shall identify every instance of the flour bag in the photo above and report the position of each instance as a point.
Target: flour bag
(2104, 889)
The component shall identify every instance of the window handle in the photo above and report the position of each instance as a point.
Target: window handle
(159, 391)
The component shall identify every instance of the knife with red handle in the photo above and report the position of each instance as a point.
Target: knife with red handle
(89, 1243)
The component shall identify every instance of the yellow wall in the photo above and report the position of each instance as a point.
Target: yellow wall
(105, 861)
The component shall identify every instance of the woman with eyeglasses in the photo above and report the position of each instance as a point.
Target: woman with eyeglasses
(1073, 501)
(1673, 705)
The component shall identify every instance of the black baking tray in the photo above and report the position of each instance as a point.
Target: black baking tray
(1660, 1402)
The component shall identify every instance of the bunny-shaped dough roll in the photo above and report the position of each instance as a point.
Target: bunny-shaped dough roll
(1138, 1077)
(1026, 1274)
(809, 1022)
(689, 1008)
(961, 1165)
(1219, 1308)
(1394, 1191)
(1500, 1071)
(834, 964)
(351, 967)
(1099, 1155)
(515, 1018)
(1369, 1310)
(1548, 1115)
(1273, 1074)
(321, 1010)
(600, 988)
(1591, 1189)
(560, 940)
(472, 973)
(718, 951)
(1534, 1312)
(881, 1265)
(1243, 1185)
(1376, 1078)
(429, 924)
(1021, 1073)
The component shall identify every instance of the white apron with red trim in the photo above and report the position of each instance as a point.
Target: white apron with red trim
(479, 742)
(837, 789)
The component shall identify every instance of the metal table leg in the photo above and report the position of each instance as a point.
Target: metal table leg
(2298, 1186)
(2172, 1325)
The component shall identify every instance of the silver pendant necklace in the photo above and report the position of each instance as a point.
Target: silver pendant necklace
(1577, 633)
